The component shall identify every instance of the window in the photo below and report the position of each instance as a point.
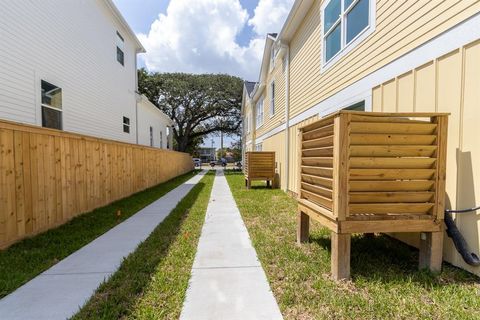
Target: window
(161, 139)
(272, 98)
(359, 106)
(126, 125)
(273, 53)
(120, 48)
(168, 137)
(51, 106)
(344, 21)
(151, 137)
(258, 147)
(259, 113)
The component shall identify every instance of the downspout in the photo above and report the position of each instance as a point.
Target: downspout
(287, 115)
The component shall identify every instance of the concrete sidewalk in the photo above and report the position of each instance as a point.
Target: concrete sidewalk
(227, 280)
(59, 292)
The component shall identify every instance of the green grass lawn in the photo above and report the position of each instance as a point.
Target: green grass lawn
(28, 258)
(385, 281)
(152, 281)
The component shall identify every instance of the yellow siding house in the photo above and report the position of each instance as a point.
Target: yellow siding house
(374, 55)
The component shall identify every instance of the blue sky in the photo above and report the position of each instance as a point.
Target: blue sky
(204, 36)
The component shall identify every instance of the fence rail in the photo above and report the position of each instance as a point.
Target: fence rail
(47, 177)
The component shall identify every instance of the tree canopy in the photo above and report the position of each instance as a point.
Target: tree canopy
(199, 105)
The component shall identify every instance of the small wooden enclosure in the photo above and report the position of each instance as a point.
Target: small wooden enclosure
(365, 172)
(259, 165)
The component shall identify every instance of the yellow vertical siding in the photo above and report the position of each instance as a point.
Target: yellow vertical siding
(277, 143)
(451, 84)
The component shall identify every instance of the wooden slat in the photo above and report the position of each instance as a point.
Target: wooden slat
(318, 143)
(392, 163)
(392, 139)
(318, 171)
(318, 124)
(372, 197)
(393, 128)
(384, 208)
(310, 196)
(413, 185)
(389, 174)
(318, 133)
(408, 225)
(327, 193)
(318, 161)
(369, 118)
(392, 151)
(318, 152)
(321, 181)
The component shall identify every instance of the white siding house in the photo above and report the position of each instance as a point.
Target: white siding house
(69, 65)
(154, 125)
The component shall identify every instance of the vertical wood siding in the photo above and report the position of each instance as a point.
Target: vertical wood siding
(47, 177)
(448, 84)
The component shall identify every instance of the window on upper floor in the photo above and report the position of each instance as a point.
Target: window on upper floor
(272, 99)
(259, 113)
(126, 125)
(51, 106)
(272, 57)
(258, 147)
(345, 23)
(120, 48)
(161, 139)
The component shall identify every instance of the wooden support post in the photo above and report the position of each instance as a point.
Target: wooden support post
(268, 183)
(431, 250)
(340, 260)
(303, 227)
(249, 183)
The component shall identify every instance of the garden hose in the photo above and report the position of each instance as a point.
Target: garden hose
(458, 240)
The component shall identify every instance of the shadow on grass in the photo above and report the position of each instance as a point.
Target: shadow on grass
(115, 298)
(387, 260)
(26, 259)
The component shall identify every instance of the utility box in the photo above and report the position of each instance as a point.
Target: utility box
(259, 165)
(366, 172)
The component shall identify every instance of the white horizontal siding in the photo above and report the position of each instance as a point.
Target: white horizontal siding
(70, 44)
(150, 116)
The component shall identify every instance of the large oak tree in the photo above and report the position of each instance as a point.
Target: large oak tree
(199, 105)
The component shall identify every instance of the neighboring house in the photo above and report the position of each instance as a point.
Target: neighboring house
(207, 154)
(376, 56)
(70, 65)
(154, 130)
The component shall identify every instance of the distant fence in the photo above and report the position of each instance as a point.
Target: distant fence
(48, 177)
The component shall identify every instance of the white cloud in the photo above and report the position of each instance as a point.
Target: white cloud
(270, 15)
(200, 36)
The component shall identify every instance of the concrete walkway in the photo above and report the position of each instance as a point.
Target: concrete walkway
(227, 279)
(59, 292)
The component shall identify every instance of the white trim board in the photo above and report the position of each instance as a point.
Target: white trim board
(458, 36)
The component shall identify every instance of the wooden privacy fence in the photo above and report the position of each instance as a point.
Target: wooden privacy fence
(364, 172)
(48, 177)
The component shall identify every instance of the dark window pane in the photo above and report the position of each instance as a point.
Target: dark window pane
(51, 95)
(51, 118)
(332, 43)
(359, 106)
(120, 56)
(331, 14)
(357, 19)
(126, 128)
(126, 120)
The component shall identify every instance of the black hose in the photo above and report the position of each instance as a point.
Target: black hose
(458, 240)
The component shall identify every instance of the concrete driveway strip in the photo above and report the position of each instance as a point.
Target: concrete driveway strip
(227, 281)
(59, 292)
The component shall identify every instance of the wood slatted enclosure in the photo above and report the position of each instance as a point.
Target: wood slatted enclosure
(47, 177)
(259, 165)
(364, 172)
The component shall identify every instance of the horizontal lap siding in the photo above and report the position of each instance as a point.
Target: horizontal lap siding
(447, 84)
(48, 177)
(56, 45)
(400, 27)
(276, 143)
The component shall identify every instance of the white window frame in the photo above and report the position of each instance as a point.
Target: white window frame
(43, 105)
(120, 45)
(272, 99)
(151, 136)
(127, 123)
(259, 113)
(344, 47)
(259, 147)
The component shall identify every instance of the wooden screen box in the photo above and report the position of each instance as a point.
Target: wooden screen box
(259, 165)
(366, 172)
